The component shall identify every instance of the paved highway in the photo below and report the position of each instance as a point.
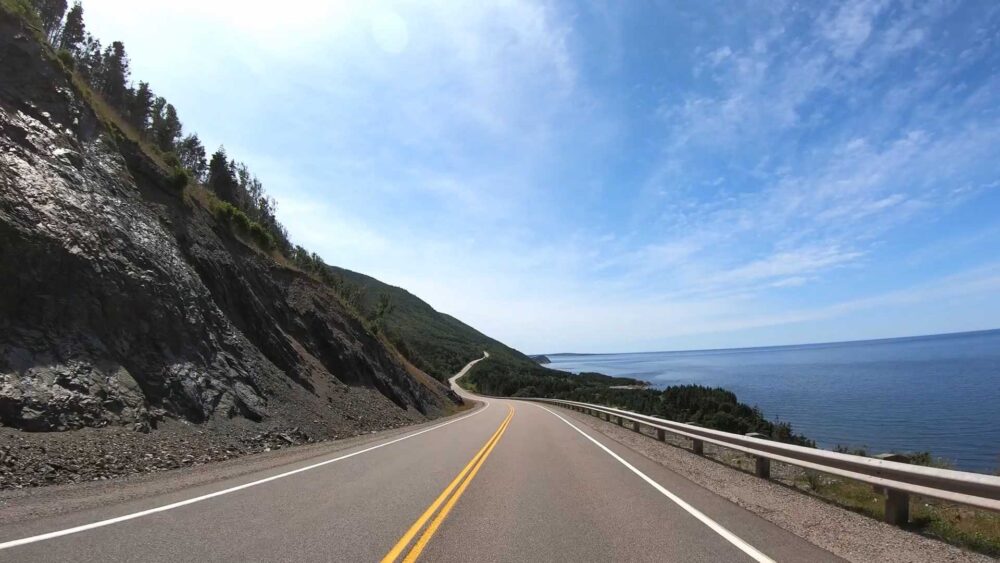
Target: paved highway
(508, 481)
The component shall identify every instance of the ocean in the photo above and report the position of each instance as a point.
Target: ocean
(936, 393)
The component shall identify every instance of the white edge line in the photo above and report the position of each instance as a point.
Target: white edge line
(164, 508)
(715, 526)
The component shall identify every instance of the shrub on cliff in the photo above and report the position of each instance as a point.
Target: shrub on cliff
(239, 221)
(179, 178)
(66, 58)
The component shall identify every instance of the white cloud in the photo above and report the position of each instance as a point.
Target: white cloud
(849, 28)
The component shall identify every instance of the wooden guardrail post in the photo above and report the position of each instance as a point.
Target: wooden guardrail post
(697, 446)
(636, 426)
(761, 465)
(621, 421)
(897, 507)
(897, 503)
(661, 434)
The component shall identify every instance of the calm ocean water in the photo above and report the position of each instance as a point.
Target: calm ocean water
(935, 393)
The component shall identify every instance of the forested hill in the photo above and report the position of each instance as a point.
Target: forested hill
(711, 407)
(437, 343)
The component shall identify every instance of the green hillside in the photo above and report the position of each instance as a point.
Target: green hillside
(435, 342)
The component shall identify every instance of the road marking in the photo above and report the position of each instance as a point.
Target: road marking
(415, 528)
(715, 526)
(164, 508)
(458, 485)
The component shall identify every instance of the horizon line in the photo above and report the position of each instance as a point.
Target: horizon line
(738, 348)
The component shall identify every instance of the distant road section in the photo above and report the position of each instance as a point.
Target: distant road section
(508, 481)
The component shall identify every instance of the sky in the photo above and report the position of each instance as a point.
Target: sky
(595, 176)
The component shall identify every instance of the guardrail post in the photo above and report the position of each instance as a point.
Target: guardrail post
(661, 434)
(621, 421)
(761, 465)
(897, 507)
(697, 446)
(636, 426)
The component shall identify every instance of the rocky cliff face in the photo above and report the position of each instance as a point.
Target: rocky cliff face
(125, 303)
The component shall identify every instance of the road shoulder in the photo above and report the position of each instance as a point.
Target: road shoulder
(25, 505)
(849, 535)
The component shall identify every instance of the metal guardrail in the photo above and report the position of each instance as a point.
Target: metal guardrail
(895, 479)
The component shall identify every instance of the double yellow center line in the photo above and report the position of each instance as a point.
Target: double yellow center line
(446, 498)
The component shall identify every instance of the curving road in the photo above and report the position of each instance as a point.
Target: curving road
(508, 481)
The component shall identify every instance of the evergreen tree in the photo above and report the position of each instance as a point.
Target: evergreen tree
(166, 128)
(156, 112)
(73, 32)
(90, 60)
(140, 107)
(191, 153)
(114, 76)
(50, 12)
(221, 177)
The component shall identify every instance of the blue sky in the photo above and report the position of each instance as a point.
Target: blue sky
(616, 176)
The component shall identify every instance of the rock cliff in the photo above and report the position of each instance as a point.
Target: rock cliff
(125, 302)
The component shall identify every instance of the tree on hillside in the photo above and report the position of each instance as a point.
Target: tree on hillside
(90, 60)
(50, 12)
(166, 128)
(156, 112)
(383, 308)
(191, 153)
(114, 76)
(140, 107)
(73, 32)
(221, 177)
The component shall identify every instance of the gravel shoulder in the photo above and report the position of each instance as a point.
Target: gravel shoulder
(849, 535)
(20, 505)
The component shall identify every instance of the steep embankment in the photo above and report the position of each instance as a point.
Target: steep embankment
(127, 303)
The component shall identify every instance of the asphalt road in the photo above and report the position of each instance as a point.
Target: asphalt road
(508, 481)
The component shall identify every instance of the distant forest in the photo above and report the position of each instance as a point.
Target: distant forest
(711, 407)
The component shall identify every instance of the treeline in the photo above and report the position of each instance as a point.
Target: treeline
(106, 70)
(711, 407)
(241, 199)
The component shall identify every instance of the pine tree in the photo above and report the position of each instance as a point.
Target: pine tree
(140, 107)
(191, 153)
(115, 75)
(50, 12)
(156, 116)
(73, 32)
(90, 60)
(166, 129)
(221, 177)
